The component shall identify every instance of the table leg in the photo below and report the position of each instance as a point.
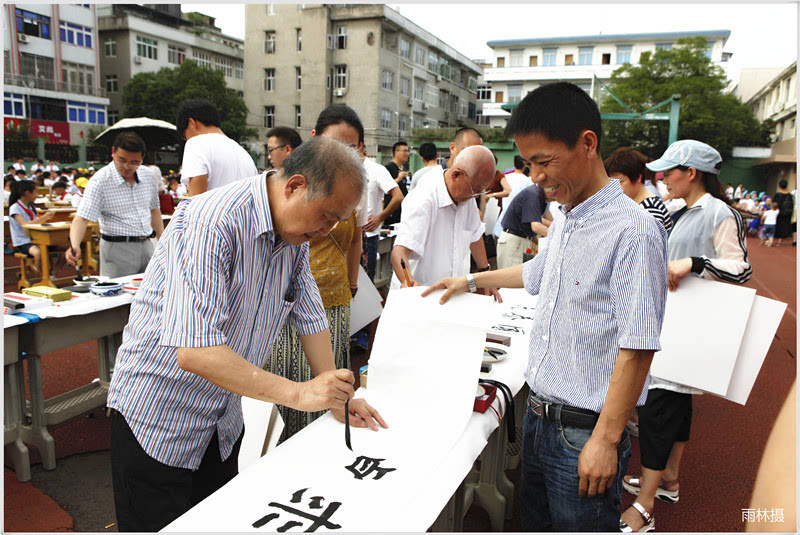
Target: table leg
(45, 266)
(107, 347)
(37, 433)
(15, 449)
(487, 493)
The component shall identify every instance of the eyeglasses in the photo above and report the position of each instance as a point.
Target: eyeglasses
(469, 183)
(128, 165)
(269, 150)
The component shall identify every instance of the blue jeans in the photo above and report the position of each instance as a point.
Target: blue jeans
(549, 498)
(372, 255)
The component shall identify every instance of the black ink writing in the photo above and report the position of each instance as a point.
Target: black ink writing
(317, 521)
(364, 466)
(508, 329)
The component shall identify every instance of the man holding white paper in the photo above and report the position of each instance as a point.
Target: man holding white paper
(602, 284)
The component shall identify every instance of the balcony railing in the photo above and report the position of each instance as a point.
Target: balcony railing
(32, 82)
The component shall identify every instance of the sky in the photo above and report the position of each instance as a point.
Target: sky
(762, 34)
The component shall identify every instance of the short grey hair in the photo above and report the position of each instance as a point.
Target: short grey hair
(324, 160)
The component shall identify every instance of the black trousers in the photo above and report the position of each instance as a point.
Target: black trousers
(148, 495)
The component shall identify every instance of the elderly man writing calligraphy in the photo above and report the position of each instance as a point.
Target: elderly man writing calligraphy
(230, 270)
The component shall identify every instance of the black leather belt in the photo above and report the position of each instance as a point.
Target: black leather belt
(570, 416)
(127, 238)
(515, 233)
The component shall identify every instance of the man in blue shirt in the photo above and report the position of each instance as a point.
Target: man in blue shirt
(602, 284)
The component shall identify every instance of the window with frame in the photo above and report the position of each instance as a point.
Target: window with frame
(110, 47)
(341, 37)
(433, 62)
(111, 83)
(240, 71)
(405, 48)
(269, 42)
(419, 121)
(175, 54)
(269, 116)
(419, 89)
(81, 112)
(299, 39)
(419, 56)
(709, 49)
(340, 77)
(549, 57)
(113, 117)
(462, 108)
(14, 105)
(386, 118)
(444, 68)
(533, 61)
(33, 24)
(480, 118)
(201, 58)
(297, 117)
(38, 68)
(472, 84)
(146, 47)
(405, 86)
(624, 54)
(515, 57)
(472, 111)
(431, 95)
(78, 78)
(585, 55)
(444, 96)
(663, 46)
(484, 92)
(454, 101)
(402, 124)
(270, 10)
(224, 65)
(47, 109)
(74, 34)
(298, 79)
(387, 80)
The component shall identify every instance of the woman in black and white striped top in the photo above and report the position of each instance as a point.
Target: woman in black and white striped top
(627, 166)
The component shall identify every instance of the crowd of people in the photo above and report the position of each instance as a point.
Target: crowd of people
(248, 290)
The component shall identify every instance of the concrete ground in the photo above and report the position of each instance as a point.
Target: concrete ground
(717, 476)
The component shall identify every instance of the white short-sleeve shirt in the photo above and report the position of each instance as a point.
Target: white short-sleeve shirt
(437, 231)
(379, 183)
(219, 157)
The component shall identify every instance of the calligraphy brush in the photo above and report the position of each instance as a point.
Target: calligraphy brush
(347, 424)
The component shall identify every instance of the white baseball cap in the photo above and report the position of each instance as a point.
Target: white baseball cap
(688, 153)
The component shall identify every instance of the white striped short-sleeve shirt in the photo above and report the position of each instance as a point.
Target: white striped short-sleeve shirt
(602, 286)
(220, 275)
(121, 209)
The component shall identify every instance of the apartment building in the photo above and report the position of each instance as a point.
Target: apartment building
(51, 76)
(397, 76)
(777, 100)
(522, 65)
(144, 38)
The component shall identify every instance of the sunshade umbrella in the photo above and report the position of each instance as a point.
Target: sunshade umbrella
(156, 133)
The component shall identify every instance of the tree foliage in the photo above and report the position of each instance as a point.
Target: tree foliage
(159, 95)
(707, 114)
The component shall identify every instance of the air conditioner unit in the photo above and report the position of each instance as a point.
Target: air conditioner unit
(331, 42)
(23, 38)
(438, 77)
(137, 60)
(424, 105)
(411, 102)
(338, 92)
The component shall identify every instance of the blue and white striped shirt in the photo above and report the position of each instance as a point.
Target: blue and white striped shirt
(602, 285)
(219, 275)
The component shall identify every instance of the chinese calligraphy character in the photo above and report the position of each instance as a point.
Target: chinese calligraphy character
(513, 316)
(41, 129)
(49, 129)
(318, 521)
(508, 328)
(368, 466)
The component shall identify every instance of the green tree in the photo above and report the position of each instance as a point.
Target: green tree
(159, 95)
(707, 113)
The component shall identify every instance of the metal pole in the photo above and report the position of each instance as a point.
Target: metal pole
(674, 116)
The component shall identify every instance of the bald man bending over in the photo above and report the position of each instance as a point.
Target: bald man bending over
(440, 221)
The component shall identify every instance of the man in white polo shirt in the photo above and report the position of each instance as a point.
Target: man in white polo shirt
(210, 158)
(379, 182)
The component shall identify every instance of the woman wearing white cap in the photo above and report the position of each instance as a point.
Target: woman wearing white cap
(707, 241)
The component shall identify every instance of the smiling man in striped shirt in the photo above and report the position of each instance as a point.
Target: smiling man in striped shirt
(602, 285)
(230, 270)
